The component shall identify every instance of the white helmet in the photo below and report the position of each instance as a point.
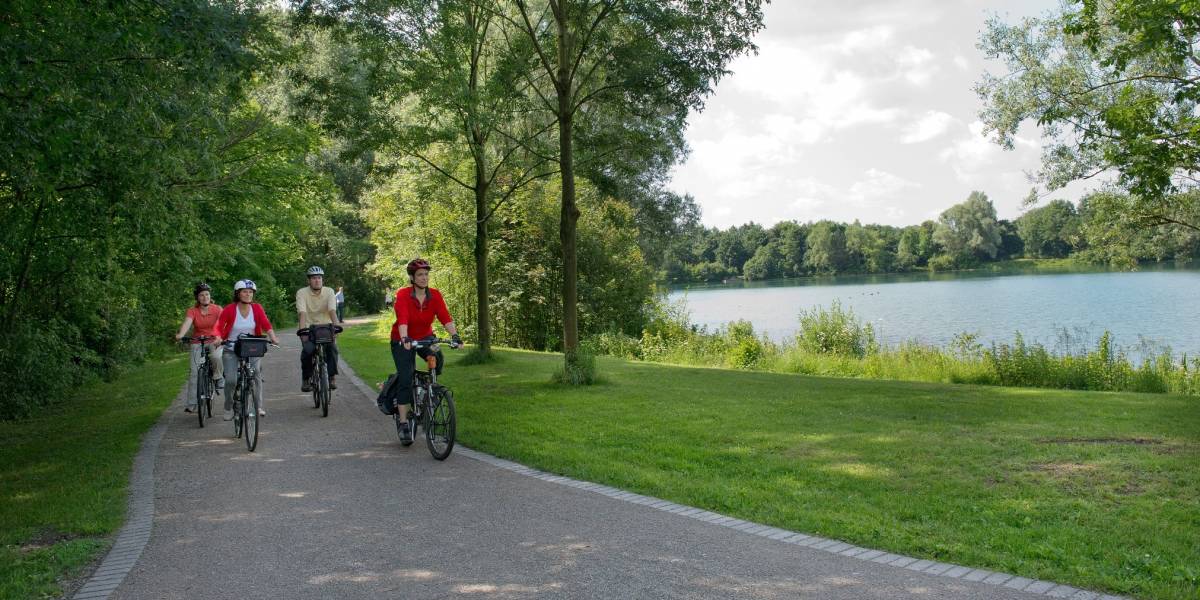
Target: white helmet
(315, 270)
(244, 284)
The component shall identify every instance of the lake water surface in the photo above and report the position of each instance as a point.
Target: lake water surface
(1145, 310)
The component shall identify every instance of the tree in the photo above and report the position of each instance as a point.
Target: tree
(826, 248)
(1049, 231)
(1113, 84)
(766, 263)
(640, 62)
(969, 231)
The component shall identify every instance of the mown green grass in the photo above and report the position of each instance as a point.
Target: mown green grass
(1098, 490)
(64, 476)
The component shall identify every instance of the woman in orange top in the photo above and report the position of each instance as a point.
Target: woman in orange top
(202, 316)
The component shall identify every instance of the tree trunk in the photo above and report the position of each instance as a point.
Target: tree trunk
(482, 315)
(570, 212)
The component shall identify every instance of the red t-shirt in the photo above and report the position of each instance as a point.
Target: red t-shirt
(418, 316)
(203, 325)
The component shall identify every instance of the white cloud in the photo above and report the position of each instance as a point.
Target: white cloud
(971, 156)
(932, 124)
(877, 185)
(916, 65)
(961, 62)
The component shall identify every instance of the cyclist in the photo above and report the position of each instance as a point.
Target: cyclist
(415, 307)
(316, 305)
(244, 315)
(203, 317)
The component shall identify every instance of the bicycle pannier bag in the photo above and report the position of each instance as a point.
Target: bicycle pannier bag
(250, 348)
(321, 334)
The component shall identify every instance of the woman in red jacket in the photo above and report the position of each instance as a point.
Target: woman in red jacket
(416, 307)
(246, 316)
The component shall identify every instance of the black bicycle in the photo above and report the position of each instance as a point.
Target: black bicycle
(321, 337)
(431, 406)
(245, 401)
(206, 382)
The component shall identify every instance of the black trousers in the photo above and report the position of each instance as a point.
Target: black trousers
(405, 363)
(306, 358)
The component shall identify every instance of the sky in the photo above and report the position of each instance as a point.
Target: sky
(858, 110)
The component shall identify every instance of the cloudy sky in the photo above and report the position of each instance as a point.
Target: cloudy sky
(857, 110)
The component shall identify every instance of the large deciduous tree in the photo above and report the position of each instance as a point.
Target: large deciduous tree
(1114, 85)
(969, 231)
(633, 67)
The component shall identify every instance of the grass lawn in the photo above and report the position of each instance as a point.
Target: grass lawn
(1098, 490)
(64, 476)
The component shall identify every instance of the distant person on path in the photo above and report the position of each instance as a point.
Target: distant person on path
(202, 318)
(316, 305)
(341, 305)
(243, 316)
(415, 308)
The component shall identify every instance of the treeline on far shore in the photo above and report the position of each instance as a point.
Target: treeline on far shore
(1099, 229)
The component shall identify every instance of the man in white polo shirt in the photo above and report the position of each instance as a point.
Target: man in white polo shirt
(316, 305)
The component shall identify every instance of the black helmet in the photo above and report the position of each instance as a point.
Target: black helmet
(203, 287)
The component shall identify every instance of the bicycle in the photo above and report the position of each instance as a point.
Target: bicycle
(321, 336)
(206, 383)
(431, 406)
(245, 403)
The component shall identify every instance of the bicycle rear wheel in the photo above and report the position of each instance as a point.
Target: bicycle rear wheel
(440, 423)
(237, 411)
(202, 384)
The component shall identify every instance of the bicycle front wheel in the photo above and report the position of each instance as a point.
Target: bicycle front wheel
(250, 416)
(202, 385)
(440, 423)
(323, 388)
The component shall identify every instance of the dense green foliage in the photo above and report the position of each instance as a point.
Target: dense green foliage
(1104, 228)
(142, 156)
(1095, 490)
(63, 492)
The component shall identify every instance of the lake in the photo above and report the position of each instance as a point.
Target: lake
(1146, 310)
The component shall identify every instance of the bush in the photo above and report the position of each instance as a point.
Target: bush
(744, 349)
(614, 343)
(579, 368)
(835, 331)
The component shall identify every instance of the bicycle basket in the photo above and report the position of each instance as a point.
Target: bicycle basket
(250, 348)
(321, 334)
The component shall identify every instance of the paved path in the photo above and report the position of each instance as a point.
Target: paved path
(336, 508)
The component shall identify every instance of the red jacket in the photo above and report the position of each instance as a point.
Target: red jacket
(418, 317)
(228, 315)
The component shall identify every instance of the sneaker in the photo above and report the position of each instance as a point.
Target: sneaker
(262, 412)
(332, 383)
(229, 415)
(406, 431)
(306, 386)
(189, 409)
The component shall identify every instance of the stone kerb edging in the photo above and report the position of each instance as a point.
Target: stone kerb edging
(139, 522)
(940, 569)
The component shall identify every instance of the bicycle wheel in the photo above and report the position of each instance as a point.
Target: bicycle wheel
(440, 423)
(323, 387)
(250, 414)
(202, 383)
(237, 410)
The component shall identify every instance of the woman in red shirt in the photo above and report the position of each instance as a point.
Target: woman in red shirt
(415, 308)
(203, 318)
(243, 316)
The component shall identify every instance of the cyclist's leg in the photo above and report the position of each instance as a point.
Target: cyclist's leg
(229, 361)
(256, 364)
(195, 355)
(307, 349)
(218, 365)
(441, 359)
(404, 361)
(331, 358)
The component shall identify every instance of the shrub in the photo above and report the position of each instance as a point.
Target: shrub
(579, 368)
(835, 331)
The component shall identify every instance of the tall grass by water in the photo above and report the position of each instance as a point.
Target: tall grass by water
(833, 341)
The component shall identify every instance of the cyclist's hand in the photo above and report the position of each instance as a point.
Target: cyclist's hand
(178, 338)
(455, 341)
(407, 341)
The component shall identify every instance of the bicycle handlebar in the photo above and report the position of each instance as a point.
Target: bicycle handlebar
(305, 331)
(432, 342)
(204, 338)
